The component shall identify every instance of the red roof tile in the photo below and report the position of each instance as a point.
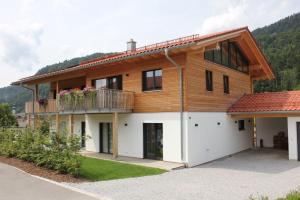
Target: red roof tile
(127, 54)
(158, 46)
(267, 102)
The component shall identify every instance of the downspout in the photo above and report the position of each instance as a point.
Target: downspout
(33, 101)
(179, 68)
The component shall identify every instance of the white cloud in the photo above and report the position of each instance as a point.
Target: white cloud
(38, 33)
(19, 44)
(232, 17)
(254, 14)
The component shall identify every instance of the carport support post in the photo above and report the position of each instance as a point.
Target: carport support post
(254, 132)
(115, 134)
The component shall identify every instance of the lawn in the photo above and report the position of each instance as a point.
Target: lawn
(99, 170)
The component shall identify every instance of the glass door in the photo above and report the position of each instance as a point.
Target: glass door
(153, 141)
(82, 134)
(105, 139)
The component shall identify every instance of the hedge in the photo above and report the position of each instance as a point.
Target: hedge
(53, 151)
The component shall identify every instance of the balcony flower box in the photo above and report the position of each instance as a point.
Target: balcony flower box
(43, 102)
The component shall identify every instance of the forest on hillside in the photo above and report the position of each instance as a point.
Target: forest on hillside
(279, 41)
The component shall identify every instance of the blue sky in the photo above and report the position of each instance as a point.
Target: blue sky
(37, 33)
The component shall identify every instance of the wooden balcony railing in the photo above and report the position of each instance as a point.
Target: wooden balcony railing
(101, 100)
(48, 107)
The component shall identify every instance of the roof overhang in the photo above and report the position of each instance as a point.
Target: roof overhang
(265, 114)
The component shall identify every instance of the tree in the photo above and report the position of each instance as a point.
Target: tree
(7, 119)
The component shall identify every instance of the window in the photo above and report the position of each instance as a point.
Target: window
(100, 83)
(225, 53)
(226, 84)
(209, 80)
(114, 82)
(229, 54)
(153, 140)
(152, 80)
(241, 125)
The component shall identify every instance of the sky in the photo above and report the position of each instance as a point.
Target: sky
(35, 33)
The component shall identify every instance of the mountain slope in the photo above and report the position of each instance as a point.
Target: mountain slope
(280, 43)
(17, 96)
(68, 63)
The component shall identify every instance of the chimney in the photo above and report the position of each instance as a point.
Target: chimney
(131, 45)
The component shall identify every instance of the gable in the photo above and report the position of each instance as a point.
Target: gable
(246, 55)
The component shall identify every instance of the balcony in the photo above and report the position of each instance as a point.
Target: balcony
(82, 101)
(48, 106)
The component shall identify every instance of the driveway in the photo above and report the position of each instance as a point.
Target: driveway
(264, 172)
(17, 185)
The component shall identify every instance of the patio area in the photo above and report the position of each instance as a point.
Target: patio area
(136, 161)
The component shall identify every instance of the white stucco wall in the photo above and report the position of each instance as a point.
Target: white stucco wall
(292, 135)
(130, 137)
(209, 141)
(266, 128)
(92, 129)
(77, 124)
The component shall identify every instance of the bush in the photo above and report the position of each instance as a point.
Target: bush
(56, 152)
(293, 195)
(6, 116)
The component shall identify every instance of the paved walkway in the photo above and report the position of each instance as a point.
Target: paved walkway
(266, 172)
(137, 161)
(17, 185)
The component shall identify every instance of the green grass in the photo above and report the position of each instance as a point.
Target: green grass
(99, 170)
(293, 195)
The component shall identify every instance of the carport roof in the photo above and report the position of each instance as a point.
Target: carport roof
(287, 101)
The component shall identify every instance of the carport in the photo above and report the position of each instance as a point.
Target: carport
(276, 120)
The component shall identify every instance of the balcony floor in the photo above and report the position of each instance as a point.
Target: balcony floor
(137, 161)
(96, 111)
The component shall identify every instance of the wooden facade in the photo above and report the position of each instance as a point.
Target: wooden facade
(191, 59)
(165, 100)
(198, 99)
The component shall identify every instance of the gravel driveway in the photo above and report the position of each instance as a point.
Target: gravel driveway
(264, 172)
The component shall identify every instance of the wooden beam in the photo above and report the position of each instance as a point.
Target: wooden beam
(57, 88)
(71, 124)
(29, 120)
(57, 123)
(36, 92)
(267, 115)
(115, 134)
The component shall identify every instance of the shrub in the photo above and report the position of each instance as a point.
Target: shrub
(57, 152)
(6, 116)
(293, 195)
(44, 127)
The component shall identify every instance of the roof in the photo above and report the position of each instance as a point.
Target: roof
(142, 51)
(162, 45)
(267, 102)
